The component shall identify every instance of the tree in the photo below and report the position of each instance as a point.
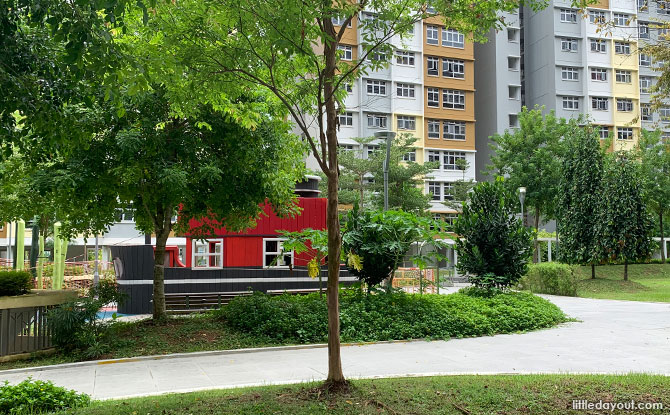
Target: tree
(579, 194)
(212, 170)
(624, 228)
(353, 171)
(493, 246)
(377, 241)
(406, 177)
(530, 157)
(219, 48)
(654, 155)
(461, 188)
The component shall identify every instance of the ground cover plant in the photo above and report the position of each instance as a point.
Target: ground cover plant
(391, 316)
(451, 395)
(36, 397)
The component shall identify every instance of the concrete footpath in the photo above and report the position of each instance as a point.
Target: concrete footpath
(613, 337)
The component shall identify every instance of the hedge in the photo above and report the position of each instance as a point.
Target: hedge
(550, 278)
(15, 282)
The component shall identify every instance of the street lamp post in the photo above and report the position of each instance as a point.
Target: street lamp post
(522, 198)
(389, 136)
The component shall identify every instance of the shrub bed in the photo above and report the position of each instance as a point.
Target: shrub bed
(550, 278)
(36, 397)
(390, 316)
(15, 282)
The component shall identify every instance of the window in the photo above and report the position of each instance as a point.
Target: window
(645, 84)
(376, 121)
(598, 74)
(370, 149)
(347, 53)
(513, 91)
(512, 35)
(433, 64)
(433, 129)
(406, 122)
(207, 253)
(431, 35)
(662, 7)
(349, 87)
(274, 255)
(450, 160)
(598, 45)
(604, 132)
(378, 56)
(453, 38)
(434, 156)
(433, 97)
(404, 58)
(453, 98)
(569, 73)
(376, 87)
(624, 133)
(664, 112)
(599, 103)
(642, 5)
(621, 19)
(513, 63)
(126, 214)
(405, 90)
(597, 16)
(645, 112)
(645, 60)
(513, 120)
(624, 104)
(454, 130)
(409, 156)
(570, 103)
(568, 44)
(568, 16)
(453, 68)
(643, 30)
(346, 147)
(346, 119)
(435, 189)
(622, 76)
(339, 21)
(622, 48)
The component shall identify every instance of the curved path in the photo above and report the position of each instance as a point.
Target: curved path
(612, 337)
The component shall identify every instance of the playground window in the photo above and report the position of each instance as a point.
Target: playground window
(207, 253)
(274, 254)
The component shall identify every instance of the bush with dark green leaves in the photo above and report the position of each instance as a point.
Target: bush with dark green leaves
(36, 397)
(76, 326)
(15, 282)
(390, 316)
(550, 278)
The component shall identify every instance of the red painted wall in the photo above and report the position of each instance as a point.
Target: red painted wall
(244, 249)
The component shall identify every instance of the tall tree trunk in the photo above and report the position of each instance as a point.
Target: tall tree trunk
(593, 271)
(660, 223)
(536, 253)
(163, 225)
(335, 377)
(360, 186)
(625, 270)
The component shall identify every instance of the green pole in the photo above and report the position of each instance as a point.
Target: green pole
(20, 245)
(63, 256)
(40, 263)
(55, 271)
(34, 249)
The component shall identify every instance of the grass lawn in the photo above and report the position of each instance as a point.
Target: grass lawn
(509, 394)
(646, 282)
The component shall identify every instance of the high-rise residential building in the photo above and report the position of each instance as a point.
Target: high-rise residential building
(587, 63)
(426, 90)
(498, 81)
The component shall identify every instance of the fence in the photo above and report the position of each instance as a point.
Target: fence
(23, 326)
(548, 248)
(415, 280)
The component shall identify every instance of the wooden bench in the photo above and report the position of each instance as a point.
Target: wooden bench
(183, 303)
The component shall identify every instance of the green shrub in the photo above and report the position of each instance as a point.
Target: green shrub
(75, 325)
(390, 316)
(36, 396)
(550, 278)
(15, 282)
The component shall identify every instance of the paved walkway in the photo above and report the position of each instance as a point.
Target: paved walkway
(613, 337)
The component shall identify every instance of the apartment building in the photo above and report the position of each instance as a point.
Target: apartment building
(427, 90)
(499, 92)
(588, 63)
